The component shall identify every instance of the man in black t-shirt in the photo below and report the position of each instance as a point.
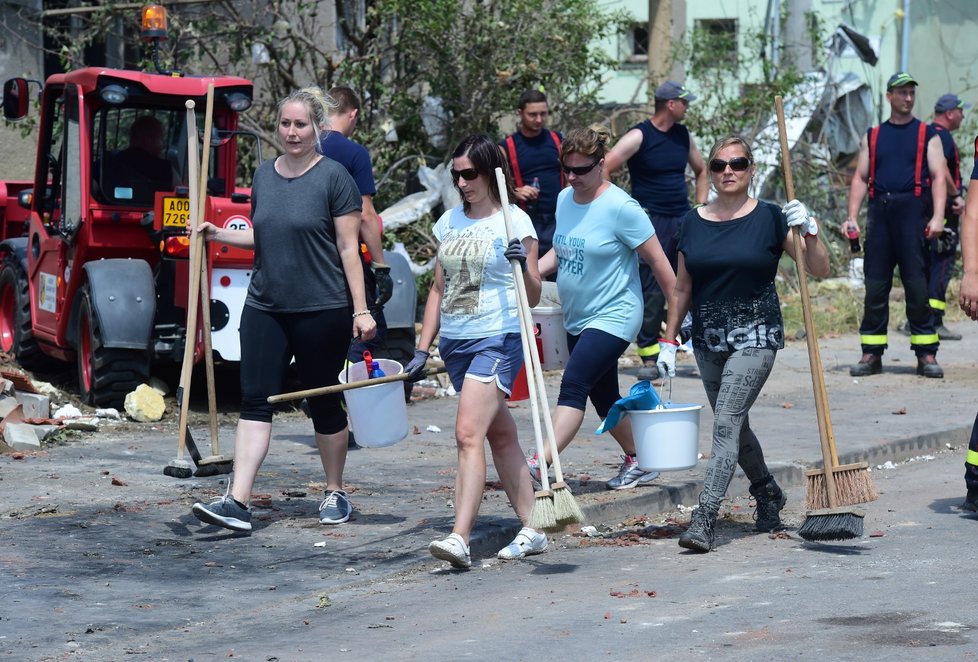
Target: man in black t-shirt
(894, 166)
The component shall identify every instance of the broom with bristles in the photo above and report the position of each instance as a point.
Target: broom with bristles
(542, 516)
(565, 508)
(836, 520)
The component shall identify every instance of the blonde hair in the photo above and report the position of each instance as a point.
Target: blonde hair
(591, 141)
(319, 105)
(723, 143)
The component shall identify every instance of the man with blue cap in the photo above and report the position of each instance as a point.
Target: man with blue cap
(948, 115)
(900, 165)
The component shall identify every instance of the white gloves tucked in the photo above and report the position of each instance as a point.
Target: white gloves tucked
(798, 215)
(666, 363)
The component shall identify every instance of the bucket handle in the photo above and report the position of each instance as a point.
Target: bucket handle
(659, 392)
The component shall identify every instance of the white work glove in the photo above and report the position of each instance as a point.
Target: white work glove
(798, 215)
(666, 363)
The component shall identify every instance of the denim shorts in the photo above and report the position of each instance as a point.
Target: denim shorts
(496, 358)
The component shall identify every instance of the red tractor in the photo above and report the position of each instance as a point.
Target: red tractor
(94, 251)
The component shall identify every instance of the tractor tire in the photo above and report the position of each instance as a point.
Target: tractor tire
(105, 376)
(16, 330)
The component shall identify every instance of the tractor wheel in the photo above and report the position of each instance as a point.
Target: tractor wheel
(16, 333)
(105, 375)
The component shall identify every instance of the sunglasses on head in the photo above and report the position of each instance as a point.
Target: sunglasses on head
(579, 170)
(739, 164)
(468, 174)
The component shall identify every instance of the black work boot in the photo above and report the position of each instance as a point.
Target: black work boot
(700, 536)
(970, 501)
(927, 366)
(869, 364)
(770, 499)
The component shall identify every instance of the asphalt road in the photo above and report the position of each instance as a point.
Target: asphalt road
(102, 560)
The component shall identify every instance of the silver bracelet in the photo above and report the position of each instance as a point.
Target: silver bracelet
(362, 312)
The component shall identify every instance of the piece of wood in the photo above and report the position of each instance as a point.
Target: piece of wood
(339, 388)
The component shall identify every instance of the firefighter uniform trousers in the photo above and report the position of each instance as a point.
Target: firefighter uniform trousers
(895, 237)
(942, 268)
(971, 461)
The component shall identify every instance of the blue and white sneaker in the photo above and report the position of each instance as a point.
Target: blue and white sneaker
(629, 475)
(335, 508)
(225, 512)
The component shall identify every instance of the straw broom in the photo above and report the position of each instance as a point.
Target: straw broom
(542, 516)
(837, 521)
(566, 509)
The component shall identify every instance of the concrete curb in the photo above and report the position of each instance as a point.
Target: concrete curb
(656, 499)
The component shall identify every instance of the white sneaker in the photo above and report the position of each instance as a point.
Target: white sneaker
(452, 549)
(526, 543)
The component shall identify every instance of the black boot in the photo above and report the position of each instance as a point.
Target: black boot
(770, 499)
(700, 535)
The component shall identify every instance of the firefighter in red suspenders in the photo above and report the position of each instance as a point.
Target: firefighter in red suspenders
(906, 209)
(533, 153)
(948, 115)
(968, 299)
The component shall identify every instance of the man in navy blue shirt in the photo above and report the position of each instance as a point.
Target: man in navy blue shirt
(533, 153)
(657, 151)
(968, 300)
(948, 115)
(336, 144)
(898, 162)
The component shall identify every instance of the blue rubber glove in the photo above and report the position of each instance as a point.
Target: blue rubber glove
(417, 369)
(515, 251)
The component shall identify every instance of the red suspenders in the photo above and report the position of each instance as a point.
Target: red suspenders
(514, 163)
(918, 166)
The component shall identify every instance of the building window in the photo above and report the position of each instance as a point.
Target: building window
(635, 44)
(715, 41)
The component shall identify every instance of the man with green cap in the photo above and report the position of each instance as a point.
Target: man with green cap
(901, 165)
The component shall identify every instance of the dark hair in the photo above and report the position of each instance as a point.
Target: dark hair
(486, 157)
(660, 104)
(532, 96)
(591, 141)
(144, 125)
(345, 97)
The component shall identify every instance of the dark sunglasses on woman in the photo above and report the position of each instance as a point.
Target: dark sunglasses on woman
(579, 170)
(468, 174)
(739, 164)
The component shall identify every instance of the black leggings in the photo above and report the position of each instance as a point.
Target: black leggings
(318, 339)
(592, 371)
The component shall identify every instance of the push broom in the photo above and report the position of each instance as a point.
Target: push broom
(566, 511)
(835, 520)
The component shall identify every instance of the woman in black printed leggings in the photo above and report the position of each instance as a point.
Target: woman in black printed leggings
(728, 259)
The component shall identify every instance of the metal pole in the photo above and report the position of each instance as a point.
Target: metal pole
(905, 41)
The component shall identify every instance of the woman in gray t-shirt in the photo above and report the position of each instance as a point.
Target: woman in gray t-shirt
(306, 299)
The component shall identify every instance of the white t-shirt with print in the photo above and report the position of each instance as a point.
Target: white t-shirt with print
(480, 296)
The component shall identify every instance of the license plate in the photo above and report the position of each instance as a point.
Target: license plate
(176, 212)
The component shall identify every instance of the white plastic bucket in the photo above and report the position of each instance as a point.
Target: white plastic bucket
(550, 321)
(378, 414)
(666, 439)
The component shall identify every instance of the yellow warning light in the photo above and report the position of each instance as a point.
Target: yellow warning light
(154, 22)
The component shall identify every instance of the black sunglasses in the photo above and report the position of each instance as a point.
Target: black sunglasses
(468, 174)
(739, 164)
(579, 170)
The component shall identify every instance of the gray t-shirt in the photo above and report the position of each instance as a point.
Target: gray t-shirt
(297, 263)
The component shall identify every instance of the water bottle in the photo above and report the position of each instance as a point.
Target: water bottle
(853, 234)
(532, 204)
(375, 370)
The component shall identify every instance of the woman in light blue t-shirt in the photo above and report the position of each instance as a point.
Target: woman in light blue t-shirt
(601, 232)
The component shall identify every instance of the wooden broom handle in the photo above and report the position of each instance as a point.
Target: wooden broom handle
(527, 339)
(814, 359)
(339, 388)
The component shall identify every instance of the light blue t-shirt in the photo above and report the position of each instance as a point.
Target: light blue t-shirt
(480, 297)
(597, 274)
